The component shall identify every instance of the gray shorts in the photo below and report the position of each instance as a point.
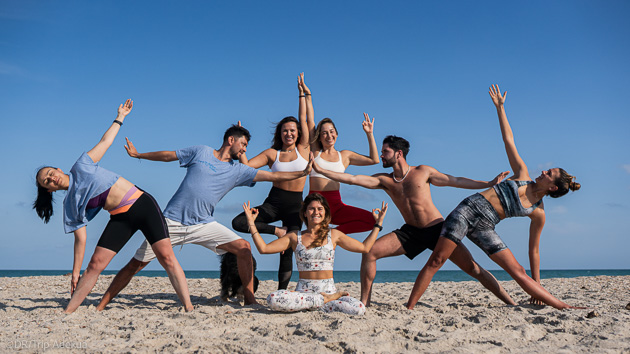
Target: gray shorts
(476, 218)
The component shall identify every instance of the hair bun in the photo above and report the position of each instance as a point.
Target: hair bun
(574, 186)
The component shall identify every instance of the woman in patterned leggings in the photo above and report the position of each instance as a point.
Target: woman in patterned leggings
(314, 250)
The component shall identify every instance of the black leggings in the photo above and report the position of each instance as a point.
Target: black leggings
(144, 215)
(280, 205)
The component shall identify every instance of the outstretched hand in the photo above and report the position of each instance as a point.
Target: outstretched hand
(125, 108)
(534, 301)
(250, 213)
(131, 150)
(495, 94)
(368, 126)
(379, 214)
(500, 177)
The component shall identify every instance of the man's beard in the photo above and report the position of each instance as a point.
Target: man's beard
(387, 163)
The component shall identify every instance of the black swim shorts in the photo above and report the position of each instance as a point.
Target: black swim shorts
(414, 240)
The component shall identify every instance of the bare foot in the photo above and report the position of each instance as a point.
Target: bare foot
(335, 296)
(280, 231)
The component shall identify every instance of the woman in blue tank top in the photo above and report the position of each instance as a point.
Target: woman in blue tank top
(476, 216)
(89, 188)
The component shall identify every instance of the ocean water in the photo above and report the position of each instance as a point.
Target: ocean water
(385, 276)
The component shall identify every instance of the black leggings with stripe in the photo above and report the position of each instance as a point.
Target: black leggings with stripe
(144, 215)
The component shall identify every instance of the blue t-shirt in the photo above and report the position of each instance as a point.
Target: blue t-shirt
(87, 180)
(207, 181)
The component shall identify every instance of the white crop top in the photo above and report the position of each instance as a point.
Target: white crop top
(327, 165)
(316, 258)
(298, 164)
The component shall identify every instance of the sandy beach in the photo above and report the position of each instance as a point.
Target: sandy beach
(452, 316)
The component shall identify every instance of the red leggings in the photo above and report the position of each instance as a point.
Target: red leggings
(348, 218)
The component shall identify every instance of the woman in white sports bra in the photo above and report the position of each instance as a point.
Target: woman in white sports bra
(348, 219)
(315, 256)
(290, 151)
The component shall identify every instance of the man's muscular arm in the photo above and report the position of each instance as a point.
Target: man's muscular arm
(440, 179)
(371, 182)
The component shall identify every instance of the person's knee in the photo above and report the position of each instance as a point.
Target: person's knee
(436, 261)
(371, 256)
(243, 249)
(97, 264)
(519, 271)
(239, 223)
(167, 260)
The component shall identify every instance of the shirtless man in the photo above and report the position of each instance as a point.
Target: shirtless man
(409, 188)
(210, 175)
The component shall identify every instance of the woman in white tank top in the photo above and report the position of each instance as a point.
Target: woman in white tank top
(314, 249)
(348, 219)
(289, 152)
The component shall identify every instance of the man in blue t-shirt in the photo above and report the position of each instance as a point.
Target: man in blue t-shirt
(210, 175)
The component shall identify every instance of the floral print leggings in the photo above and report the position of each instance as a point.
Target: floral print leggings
(307, 297)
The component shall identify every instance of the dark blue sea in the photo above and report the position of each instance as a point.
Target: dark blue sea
(346, 276)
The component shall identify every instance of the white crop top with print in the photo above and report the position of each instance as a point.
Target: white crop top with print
(336, 166)
(298, 164)
(316, 258)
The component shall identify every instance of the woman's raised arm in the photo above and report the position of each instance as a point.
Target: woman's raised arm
(97, 152)
(275, 246)
(362, 160)
(516, 162)
(303, 113)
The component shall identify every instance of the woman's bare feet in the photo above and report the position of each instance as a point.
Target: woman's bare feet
(335, 296)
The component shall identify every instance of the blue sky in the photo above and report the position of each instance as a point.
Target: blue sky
(421, 68)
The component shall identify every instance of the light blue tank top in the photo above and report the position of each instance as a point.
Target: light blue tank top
(507, 191)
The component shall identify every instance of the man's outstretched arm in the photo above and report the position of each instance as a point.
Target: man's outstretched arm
(371, 182)
(166, 156)
(266, 176)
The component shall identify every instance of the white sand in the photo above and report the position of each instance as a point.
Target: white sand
(454, 317)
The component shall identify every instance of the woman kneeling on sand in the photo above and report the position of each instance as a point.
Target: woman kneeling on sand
(314, 250)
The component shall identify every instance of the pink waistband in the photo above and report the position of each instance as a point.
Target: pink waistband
(130, 197)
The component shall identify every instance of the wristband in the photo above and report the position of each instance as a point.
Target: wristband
(302, 96)
(117, 122)
(307, 94)
(379, 227)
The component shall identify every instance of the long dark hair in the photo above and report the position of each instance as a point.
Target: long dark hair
(564, 183)
(318, 131)
(320, 237)
(43, 204)
(276, 143)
